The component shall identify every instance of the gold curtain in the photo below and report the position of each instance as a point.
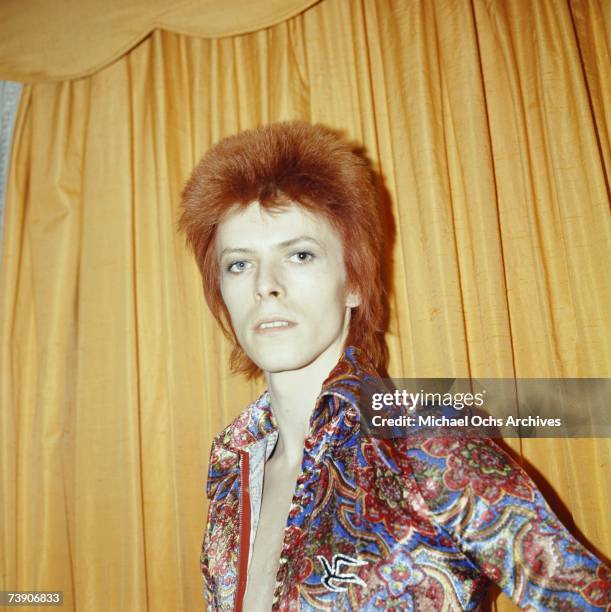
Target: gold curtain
(68, 39)
(490, 124)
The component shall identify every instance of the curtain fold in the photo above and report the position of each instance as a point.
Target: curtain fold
(488, 122)
(43, 41)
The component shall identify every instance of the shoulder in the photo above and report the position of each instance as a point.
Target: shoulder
(253, 423)
(250, 425)
(446, 467)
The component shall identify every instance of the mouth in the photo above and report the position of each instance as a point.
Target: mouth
(268, 326)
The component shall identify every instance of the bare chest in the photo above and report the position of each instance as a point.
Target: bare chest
(278, 490)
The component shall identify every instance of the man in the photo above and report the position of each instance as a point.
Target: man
(305, 513)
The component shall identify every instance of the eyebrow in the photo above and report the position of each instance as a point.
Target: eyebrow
(279, 245)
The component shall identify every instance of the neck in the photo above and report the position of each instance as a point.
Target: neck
(293, 397)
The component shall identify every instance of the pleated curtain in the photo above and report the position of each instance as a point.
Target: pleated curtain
(489, 122)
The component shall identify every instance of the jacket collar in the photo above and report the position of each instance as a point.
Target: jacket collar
(340, 391)
(344, 382)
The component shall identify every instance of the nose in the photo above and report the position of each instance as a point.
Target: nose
(268, 283)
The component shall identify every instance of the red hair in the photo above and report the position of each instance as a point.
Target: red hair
(276, 165)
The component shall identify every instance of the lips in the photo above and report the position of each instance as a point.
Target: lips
(273, 323)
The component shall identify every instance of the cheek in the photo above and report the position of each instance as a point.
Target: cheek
(329, 299)
(232, 293)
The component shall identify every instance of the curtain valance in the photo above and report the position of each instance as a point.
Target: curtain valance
(66, 39)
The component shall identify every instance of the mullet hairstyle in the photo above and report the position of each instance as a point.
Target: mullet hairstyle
(276, 165)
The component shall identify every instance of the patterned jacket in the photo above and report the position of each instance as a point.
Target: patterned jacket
(400, 524)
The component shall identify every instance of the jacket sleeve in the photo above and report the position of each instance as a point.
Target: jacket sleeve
(208, 585)
(498, 518)
(218, 559)
(204, 557)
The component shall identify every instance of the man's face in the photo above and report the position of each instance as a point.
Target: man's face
(284, 284)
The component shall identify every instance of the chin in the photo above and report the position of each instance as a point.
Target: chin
(274, 360)
(276, 363)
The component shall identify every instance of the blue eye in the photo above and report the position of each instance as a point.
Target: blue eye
(302, 256)
(237, 267)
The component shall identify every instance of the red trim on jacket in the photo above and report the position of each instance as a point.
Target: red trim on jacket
(244, 529)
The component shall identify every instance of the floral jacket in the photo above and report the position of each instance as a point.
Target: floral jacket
(400, 524)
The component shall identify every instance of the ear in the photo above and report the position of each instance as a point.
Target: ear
(353, 299)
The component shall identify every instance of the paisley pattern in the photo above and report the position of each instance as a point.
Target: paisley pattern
(414, 523)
